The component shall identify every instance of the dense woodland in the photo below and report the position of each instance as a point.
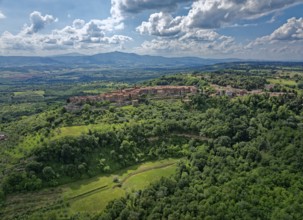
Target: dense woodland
(251, 168)
(240, 81)
(240, 158)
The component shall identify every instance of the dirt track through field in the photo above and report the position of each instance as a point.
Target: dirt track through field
(102, 188)
(88, 193)
(31, 209)
(185, 135)
(142, 171)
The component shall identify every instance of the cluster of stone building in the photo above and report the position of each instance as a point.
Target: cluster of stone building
(133, 94)
(228, 91)
(233, 92)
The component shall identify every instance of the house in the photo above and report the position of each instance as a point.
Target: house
(3, 137)
(269, 86)
(229, 93)
(242, 92)
(135, 102)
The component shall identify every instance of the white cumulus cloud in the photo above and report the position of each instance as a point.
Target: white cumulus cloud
(217, 13)
(283, 43)
(95, 34)
(292, 30)
(161, 24)
(38, 22)
(122, 7)
(211, 14)
(2, 16)
(203, 43)
(195, 32)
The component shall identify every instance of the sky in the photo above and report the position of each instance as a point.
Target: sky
(246, 29)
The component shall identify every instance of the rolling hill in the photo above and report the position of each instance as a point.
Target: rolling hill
(112, 59)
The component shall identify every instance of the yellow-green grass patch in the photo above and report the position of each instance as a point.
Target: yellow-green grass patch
(142, 180)
(284, 82)
(30, 93)
(27, 144)
(90, 195)
(94, 194)
(82, 129)
(30, 142)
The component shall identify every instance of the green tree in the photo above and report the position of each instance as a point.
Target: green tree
(48, 173)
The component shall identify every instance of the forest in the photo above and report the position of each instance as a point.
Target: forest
(219, 157)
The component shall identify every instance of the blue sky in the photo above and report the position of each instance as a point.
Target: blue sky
(267, 29)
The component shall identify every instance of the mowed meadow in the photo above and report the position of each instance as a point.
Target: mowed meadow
(90, 195)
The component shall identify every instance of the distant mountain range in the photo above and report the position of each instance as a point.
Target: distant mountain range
(112, 59)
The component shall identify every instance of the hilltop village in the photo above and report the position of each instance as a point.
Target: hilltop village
(132, 95)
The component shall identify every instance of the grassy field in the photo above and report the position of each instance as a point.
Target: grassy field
(284, 82)
(30, 93)
(290, 73)
(31, 142)
(20, 204)
(142, 180)
(82, 129)
(93, 195)
(20, 108)
(97, 91)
